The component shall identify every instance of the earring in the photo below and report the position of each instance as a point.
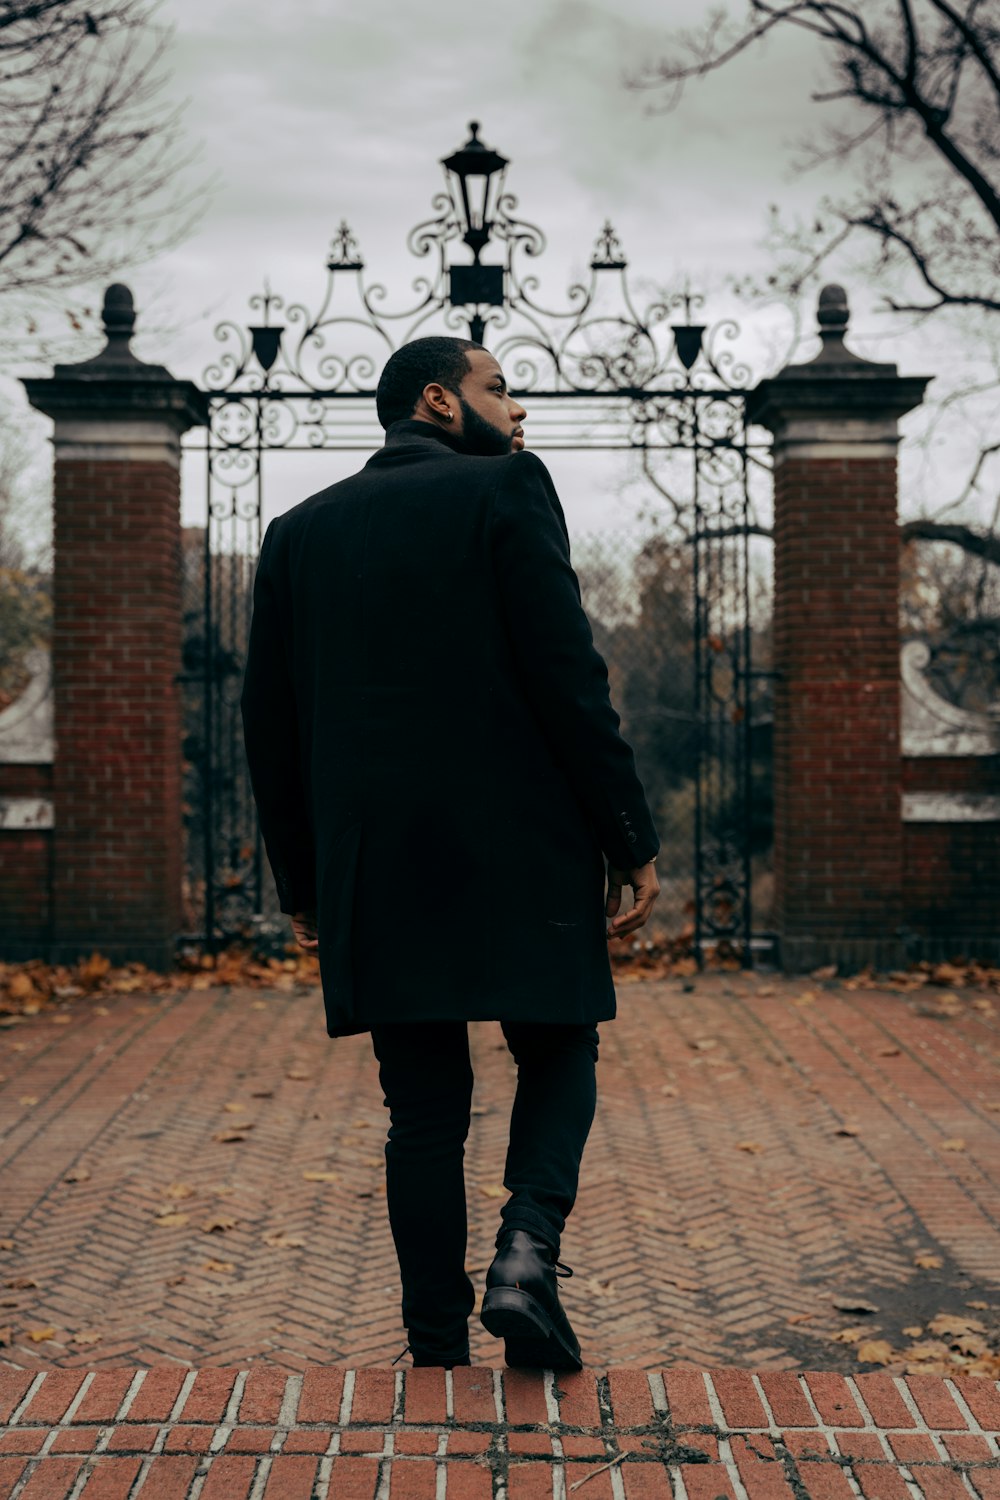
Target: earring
(448, 415)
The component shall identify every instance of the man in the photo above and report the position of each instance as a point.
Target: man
(439, 775)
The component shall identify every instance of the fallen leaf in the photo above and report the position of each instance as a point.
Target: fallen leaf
(258, 1005)
(828, 971)
(956, 1143)
(753, 1146)
(946, 1323)
(492, 1191)
(702, 1242)
(77, 1174)
(299, 1074)
(764, 990)
(669, 1090)
(21, 1283)
(28, 1099)
(321, 1176)
(359, 1124)
(218, 1224)
(231, 1135)
(929, 1349)
(848, 1336)
(6, 1336)
(847, 1130)
(9, 1245)
(980, 1306)
(888, 1052)
(875, 1352)
(177, 1190)
(853, 1305)
(914, 1331)
(39, 1335)
(704, 1044)
(171, 1219)
(799, 1317)
(224, 1267)
(262, 1094)
(480, 1109)
(279, 1240)
(87, 1336)
(235, 1109)
(927, 1261)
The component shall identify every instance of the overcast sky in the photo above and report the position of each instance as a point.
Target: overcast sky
(321, 110)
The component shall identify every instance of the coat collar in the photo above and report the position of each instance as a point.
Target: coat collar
(410, 428)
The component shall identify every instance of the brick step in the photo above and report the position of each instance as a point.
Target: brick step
(477, 1433)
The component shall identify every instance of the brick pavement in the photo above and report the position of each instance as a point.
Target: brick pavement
(484, 1434)
(764, 1150)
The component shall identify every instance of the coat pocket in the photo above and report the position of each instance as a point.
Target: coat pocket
(335, 899)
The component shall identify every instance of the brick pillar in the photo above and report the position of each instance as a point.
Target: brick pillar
(838, 847)
(116, 650)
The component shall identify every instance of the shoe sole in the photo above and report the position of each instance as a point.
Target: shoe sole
(532, 1340)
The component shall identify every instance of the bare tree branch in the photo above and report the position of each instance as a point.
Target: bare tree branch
(90, 153)
(978, 543)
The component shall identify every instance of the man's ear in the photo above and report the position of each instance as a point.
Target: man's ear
(436, 401)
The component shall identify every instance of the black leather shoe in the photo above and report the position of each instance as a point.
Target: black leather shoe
(521, 1304)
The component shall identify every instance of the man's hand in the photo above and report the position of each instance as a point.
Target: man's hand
(646, 887)
(306, 932)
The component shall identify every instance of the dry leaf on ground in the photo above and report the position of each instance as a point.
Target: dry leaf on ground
(875, 1352)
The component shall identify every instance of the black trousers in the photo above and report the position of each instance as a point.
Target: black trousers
(426, 1077)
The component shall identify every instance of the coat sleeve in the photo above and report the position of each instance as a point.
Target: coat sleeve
(271, 737)
(562, 673)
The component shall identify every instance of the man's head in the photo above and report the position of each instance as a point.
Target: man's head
(456, 385)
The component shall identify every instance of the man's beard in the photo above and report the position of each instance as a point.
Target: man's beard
(480, 436)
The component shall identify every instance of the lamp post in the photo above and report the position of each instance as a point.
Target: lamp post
(474, 175)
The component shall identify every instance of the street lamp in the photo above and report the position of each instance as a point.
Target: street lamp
(474, 175)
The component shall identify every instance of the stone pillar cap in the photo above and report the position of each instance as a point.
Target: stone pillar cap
(115, 382)
(836, 381)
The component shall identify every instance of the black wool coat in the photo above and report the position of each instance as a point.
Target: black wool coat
(433, 751)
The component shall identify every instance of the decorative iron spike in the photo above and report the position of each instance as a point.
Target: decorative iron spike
(609, 254)
(345, 252)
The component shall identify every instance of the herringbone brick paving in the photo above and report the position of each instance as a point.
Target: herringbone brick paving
(485, 1434)
(720, 1218)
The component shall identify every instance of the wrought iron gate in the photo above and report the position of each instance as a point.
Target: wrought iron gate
(598, 374)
